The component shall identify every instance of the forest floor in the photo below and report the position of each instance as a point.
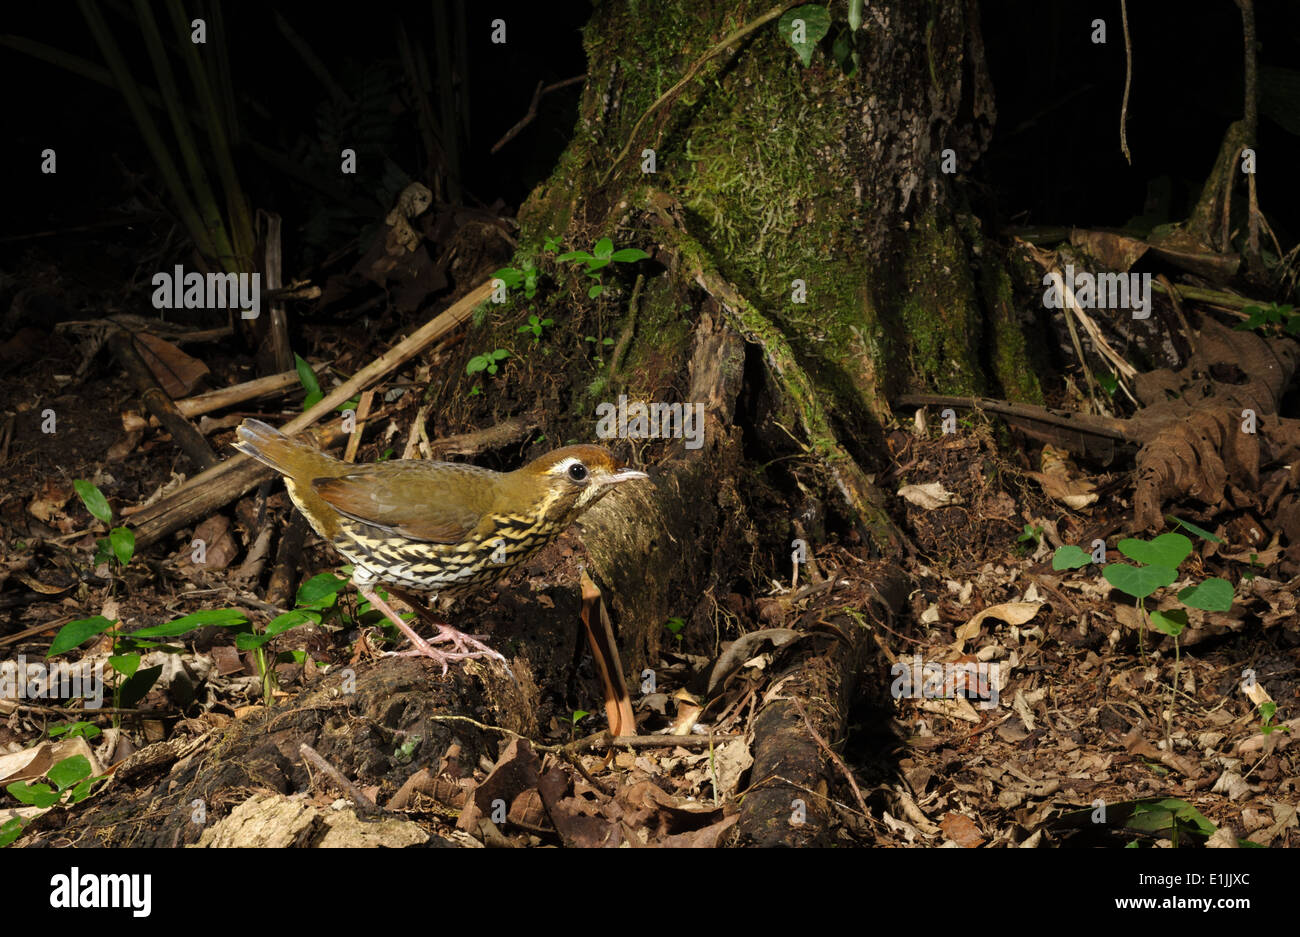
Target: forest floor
(1063, 708)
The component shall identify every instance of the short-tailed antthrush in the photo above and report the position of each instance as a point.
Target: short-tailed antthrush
(440, 527)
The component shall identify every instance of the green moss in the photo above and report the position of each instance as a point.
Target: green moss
(940, 313)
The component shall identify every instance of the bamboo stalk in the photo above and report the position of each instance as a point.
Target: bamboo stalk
(198, 176)
(148, 129)
(240, 219)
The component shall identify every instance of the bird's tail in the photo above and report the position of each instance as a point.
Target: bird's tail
(297, 460)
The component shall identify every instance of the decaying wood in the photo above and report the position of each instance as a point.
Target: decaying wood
(184, 433)
(789, 801)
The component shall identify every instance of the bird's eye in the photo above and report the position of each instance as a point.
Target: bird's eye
(578, 471)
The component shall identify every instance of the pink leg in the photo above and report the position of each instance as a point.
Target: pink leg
(465, 646)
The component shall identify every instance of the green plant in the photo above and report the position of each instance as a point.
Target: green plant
(599, 343)
(535, 327)
(1267, 711)
(314, 394)
(1159, 559)
(120, 542)
(10, 830)
(485, 362)
(132, 683)
(1109, 383)
(72, 730)
(513, 277)
(1271, 320)
(675, 627)
(602, 255)
(70, 777)
(578, 716)
(1031, 534)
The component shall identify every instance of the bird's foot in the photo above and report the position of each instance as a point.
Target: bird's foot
(463, 647)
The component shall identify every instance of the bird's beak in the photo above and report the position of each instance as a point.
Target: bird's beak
(622, 475)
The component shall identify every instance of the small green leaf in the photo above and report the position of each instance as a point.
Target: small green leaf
(510, 276)
(1213, 595)
(629, 255)
(125, 664)
(604, 248)
(282, 623)
(10, 830)
(307, 376)
(82, 790)
(575, 255)
(123, 543)
(1171, 622)
(595, 291)
(1164, 550)
(816, 22)
(75, 632)
(1199, 531)
(69, 771)
(249, 641)
(35, 795)
(79, 729)
(320, 589)
(476, 364)
(222, 617)
(1070, 557)
(1138, 582)
(94, 500)
(134, 689)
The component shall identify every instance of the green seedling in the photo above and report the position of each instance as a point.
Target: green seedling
(1031, 535)
(535, 327)
(486, 362)
(514, 277)
(1159, 559)
(602, 254)
(120, 542)
(133, 683)
(600, 343)
(1267, 712)
(578, 716)
(675, 627)
(311, 384)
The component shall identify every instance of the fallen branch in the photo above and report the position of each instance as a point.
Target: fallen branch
(226, 481)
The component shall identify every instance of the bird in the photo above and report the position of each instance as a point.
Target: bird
(445, 528)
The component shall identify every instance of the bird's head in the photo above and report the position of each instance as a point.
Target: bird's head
(572, 479)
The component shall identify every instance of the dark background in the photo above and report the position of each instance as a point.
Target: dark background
(1054, 158)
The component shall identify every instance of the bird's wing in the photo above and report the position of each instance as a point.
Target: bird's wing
(421, 500)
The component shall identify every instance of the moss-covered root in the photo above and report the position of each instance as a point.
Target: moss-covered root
(864, 501)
